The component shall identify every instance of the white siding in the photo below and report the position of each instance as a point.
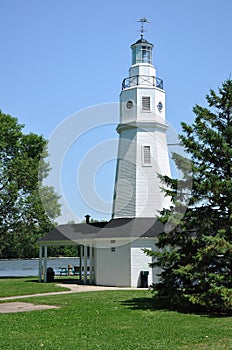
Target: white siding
(137, 186)
(142, 69)
(140, 261)
(128, 115)
(125, 182)
(112, 268)
(162, 159)
(147, 183)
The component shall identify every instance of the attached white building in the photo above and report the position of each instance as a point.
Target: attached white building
(112, 253)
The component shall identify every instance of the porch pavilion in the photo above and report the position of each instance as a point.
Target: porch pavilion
(81, 235)
(118, 237)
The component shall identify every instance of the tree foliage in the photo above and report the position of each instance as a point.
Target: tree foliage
(22, 216)
(195, 252)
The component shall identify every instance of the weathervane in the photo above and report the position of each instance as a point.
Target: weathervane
(142, 21)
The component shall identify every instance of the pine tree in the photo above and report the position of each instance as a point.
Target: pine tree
(195, 252)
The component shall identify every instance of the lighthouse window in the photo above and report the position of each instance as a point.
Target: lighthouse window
(134, 56)
(146, 54)
(138, 54)
(129, 104)
(146, 103)
(141, 54)
(146, 155)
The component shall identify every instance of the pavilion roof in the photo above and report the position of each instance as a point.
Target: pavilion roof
(113, 229)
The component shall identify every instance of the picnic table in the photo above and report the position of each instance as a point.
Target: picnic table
(63, 271)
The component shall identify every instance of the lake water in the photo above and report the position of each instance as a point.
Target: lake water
(30, 267)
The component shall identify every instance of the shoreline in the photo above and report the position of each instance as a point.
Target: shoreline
(49, 258)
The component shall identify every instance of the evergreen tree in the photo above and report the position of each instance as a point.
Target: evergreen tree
(195, 251)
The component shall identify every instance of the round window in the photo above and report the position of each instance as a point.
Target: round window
(129, 104)
(160, 106)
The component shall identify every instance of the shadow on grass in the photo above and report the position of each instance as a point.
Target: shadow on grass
(68, 281)
(153, 304)
(35, 279)
(62, 280)
(144, 304)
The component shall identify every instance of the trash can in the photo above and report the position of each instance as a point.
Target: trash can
(50, 274)
(144, 279)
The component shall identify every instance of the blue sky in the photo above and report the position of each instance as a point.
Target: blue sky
(59, 57)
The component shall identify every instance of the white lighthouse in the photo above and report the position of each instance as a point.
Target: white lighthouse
(142, 150)
(115, 249)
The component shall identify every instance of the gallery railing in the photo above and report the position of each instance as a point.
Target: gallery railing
(142, 80)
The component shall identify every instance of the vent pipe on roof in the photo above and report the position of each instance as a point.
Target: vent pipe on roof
(87, 217)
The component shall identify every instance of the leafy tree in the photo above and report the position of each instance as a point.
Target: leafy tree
(195, 253)
(22, 216)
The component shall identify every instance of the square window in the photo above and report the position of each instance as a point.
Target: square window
(113, 249)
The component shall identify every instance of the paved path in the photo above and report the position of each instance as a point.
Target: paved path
(73, 288)
(18, 306)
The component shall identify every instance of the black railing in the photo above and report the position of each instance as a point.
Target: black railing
(142, 80)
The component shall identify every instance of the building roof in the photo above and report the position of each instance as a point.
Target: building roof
(142, 41)
(115, 228)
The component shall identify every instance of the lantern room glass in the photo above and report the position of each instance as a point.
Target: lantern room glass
(141, 54)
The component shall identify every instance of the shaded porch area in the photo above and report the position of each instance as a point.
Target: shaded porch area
(79, 235)
(83, 272)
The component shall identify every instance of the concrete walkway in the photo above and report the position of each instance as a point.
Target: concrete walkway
(73, 288)
(17, 306)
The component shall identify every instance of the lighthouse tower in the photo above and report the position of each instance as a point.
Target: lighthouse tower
(142, 150)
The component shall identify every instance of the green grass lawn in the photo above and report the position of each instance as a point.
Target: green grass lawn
(23, 286)
(111, 320)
